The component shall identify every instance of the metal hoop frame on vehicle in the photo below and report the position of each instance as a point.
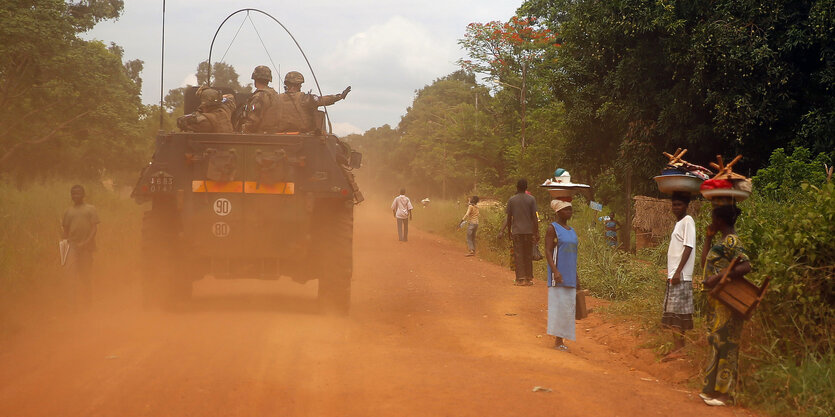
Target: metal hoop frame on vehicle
(315, 80)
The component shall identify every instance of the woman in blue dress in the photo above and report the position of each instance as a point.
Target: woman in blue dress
(561, 247)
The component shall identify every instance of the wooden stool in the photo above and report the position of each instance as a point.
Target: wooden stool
(739, 294)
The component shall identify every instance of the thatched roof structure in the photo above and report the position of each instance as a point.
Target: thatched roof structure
(653, 215)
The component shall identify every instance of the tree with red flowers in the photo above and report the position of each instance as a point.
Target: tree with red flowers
(505, 53)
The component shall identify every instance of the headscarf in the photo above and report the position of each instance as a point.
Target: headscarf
(558, 205)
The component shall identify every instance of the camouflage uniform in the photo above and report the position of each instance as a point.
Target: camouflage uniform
(296, 110)
(213, 116)
(259, 114)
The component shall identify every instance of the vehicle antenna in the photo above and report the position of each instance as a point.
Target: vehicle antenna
(162, 67)
(313, 73)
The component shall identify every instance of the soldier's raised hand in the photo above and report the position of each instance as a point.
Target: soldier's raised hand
(345, 92)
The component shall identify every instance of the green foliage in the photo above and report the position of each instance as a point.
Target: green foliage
(793, 388)
(443, 216)
(726, 77)
(606, 272)
(223, 75)
(443, 145)
(798, 252)
(785, 173)
(56, 89)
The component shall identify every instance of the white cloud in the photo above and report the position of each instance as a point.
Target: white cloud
(345, 129)
(389, 52)
(384, 49)
(190, 79)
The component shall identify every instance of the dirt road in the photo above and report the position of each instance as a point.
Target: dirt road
(431, 334)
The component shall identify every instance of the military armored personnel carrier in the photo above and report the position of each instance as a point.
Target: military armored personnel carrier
(235, 205)
(248, 206)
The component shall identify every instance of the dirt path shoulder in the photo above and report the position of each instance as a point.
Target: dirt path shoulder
(431, 333)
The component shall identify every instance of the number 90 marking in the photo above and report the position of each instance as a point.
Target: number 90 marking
(220, 229)
(222, 207)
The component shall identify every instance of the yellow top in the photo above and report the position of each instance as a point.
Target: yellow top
(472, 214)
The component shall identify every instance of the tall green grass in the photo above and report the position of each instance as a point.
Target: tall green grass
(30, 228)
(607, 273)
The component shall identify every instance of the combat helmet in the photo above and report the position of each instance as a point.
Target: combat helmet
(262, 72)
(208, 96)
(293, 77)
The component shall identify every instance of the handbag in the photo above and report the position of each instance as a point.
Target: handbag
(580, 310)
(537, 255)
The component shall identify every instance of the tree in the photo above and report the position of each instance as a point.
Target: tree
(57, 88)
(505, 52)
(446, 136)
(726, 77)
(223, 75)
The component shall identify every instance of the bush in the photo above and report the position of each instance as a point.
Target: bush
(798, 252)
(784, 174)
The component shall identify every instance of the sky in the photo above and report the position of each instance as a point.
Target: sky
(385, 50)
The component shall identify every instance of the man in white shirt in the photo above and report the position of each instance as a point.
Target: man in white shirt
(401, 207)
(678, 302)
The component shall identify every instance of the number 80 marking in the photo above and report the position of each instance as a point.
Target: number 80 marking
(220, 229)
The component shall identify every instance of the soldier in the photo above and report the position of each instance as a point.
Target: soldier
(259, 114)
(213, 116)
(296, 109)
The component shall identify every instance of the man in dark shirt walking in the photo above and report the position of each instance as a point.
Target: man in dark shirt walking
(524, 231)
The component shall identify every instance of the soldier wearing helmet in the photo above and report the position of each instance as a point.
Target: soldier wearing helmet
(259, 114)
(214, 114)
(296, 110)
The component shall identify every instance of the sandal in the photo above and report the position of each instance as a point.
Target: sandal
(714, 402)
(562, 348)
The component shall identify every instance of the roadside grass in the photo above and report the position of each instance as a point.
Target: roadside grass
(605, 272)
(30, 227)
(770, 380)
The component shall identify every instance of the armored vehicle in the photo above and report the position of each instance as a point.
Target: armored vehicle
(235, 205)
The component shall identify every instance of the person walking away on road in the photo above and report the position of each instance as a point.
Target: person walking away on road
(79, 226)
(681, 257)
(561, 250)
(524, 231)
(724, 326)
(471, 219)
(401, 207)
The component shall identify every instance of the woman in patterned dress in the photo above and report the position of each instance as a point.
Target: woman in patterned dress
(724, 325)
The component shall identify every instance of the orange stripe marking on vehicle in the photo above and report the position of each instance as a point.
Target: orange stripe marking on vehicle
(253, 187)
(200, 186)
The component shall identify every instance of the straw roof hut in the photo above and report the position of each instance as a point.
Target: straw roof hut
(653, 219)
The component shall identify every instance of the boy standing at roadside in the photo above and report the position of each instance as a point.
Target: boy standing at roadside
(79, 225)
(678, 301)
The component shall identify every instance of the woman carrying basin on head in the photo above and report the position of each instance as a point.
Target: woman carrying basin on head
(561, 250)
